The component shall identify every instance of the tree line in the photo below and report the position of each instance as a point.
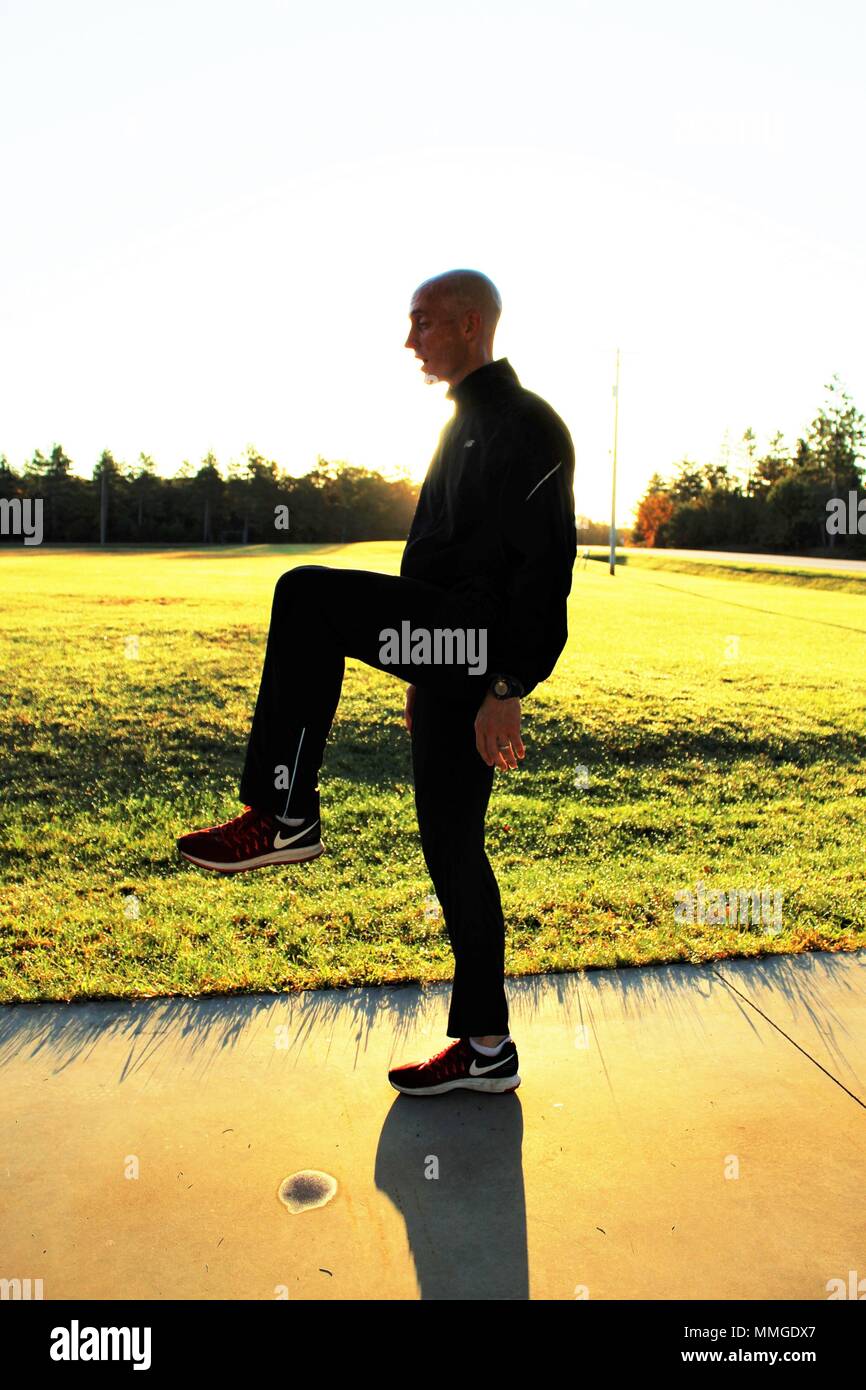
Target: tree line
(794, 500)
(333, 502)
(129, 504)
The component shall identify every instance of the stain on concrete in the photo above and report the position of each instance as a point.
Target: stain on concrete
(307, 1189)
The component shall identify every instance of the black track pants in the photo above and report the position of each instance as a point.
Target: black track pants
(319, 617)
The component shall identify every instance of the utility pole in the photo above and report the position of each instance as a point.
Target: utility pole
(103, 505)
(613, 484)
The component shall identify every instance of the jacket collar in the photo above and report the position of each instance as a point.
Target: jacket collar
(483, 383)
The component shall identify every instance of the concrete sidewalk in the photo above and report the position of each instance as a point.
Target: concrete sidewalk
(670, 1140)
(738, 557)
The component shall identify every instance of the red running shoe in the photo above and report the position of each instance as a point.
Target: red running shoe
(459, 1065)
(251, 840)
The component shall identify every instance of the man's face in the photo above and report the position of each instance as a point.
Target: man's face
(435, 336)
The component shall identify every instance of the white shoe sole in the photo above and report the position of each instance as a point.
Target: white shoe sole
(279, 856)
(478, 1083)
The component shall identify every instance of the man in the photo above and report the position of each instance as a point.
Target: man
(489, 557)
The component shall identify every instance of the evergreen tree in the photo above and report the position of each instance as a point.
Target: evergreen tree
(772, 466)
(688, 483)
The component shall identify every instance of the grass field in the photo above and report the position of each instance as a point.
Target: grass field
(719, 717)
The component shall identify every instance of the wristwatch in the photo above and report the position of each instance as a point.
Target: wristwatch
(505, 687)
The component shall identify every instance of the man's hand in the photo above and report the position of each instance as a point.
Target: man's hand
(410, 705)
(498, 721)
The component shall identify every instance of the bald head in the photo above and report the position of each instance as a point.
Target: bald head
(468, 291)
(454, 317)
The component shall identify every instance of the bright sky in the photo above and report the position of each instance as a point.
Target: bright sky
(214, 216)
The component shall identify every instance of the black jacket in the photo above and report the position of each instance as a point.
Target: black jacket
(495, 519)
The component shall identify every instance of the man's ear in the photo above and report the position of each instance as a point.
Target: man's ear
(471, 324)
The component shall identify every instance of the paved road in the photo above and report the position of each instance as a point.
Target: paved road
(681, 1132)
(803, 562)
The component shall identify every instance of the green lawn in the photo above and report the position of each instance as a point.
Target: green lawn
(735, 763)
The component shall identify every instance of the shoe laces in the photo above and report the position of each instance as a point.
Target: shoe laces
(245, 833)
(453, 1055)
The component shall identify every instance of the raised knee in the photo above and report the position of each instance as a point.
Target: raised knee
(292, 580)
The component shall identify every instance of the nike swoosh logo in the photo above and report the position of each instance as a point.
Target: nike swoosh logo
(475, 1070)
(280, 842)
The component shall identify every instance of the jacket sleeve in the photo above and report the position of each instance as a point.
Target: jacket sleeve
(535, 516)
